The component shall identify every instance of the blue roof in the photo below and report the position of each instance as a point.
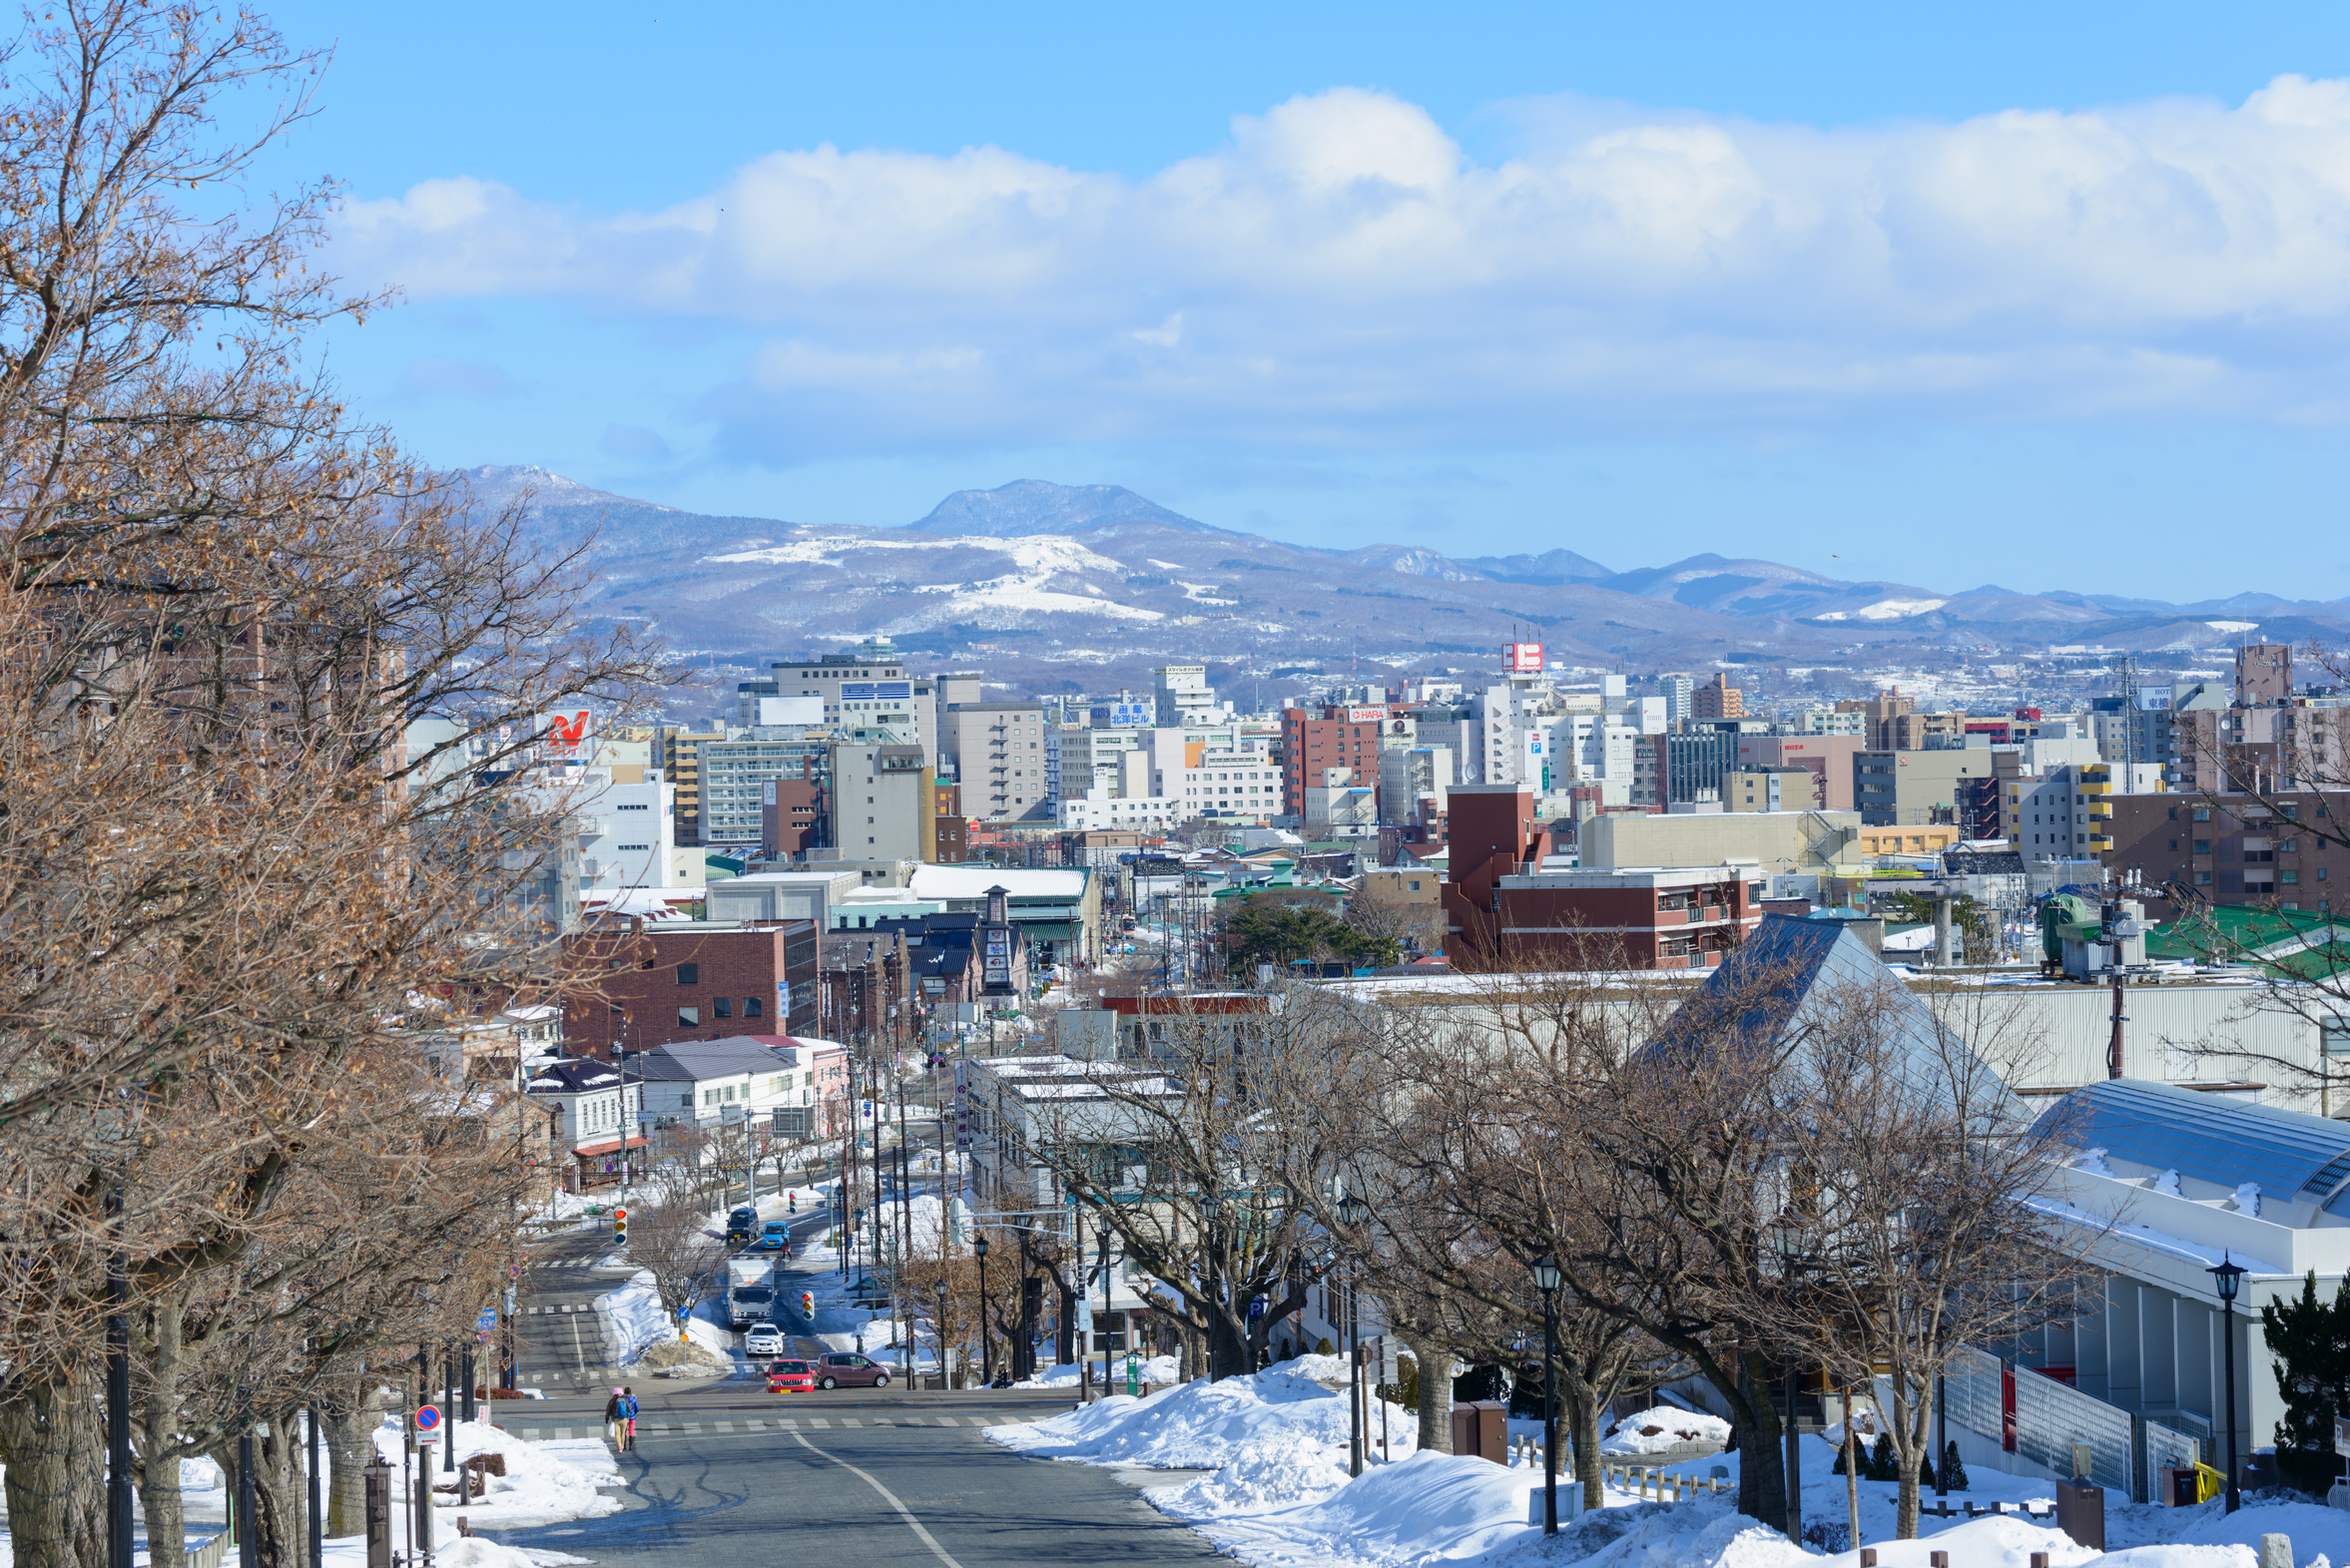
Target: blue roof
(2287, 1153)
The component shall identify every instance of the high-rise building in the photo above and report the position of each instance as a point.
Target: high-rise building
(1184, 700)
(884, 803)
(1718, 699)
(997, 750)
(866, 690)
(734, 774)
(678, 754)
(1313, 741)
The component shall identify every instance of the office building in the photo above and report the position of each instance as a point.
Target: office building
(866, 690)
(1902, 786)
(1826, 755)
(1183, 697)
(996, 750)
(884, 802)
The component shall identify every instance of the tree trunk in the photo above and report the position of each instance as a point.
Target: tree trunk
(159, 1477)
(280, 1537)
(1228, 1346)
(1435, 1392)
(1583, 1422)
(53, 1440)
(1754, 1427)
(348, 1426)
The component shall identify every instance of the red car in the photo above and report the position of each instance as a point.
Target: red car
(848, 1370)
(791, 1377)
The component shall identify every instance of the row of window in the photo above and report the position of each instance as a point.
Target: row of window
(720, 1007)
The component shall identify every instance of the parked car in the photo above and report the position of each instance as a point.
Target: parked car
(741, 1225)
(790, 1377)
(847, 1369)
(775, 1237)
(763, 1339)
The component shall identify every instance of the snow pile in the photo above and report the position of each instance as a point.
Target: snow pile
(1430, 1507)
(2315, 1529)
(634, 1320)
(544, 1483)
(1661, 1428)
(1263, 1473)
(1201, 1425)
(1157, 1370)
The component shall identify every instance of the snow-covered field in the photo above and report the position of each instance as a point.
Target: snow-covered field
(544, 1483)
(1278, 1495)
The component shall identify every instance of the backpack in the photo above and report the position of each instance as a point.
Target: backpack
(628, 1406)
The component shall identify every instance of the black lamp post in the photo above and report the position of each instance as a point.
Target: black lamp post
(2227, 1274)
(986, 1365)
(1788, 1234)
(1351, 1211)
(1546, 1277)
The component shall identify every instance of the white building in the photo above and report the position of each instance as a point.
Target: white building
(1185, 700)
(628, 840)
(1099, 808)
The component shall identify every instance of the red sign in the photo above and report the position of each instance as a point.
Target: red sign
(565, 737)
(1366, 714)
(1521, 657)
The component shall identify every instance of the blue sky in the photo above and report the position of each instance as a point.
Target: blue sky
(2048, 296)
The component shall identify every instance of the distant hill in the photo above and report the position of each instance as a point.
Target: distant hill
(1033, 506)
(1034, 574)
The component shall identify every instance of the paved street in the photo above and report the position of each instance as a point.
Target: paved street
(728, 1474)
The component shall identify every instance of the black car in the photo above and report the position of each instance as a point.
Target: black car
(742, 1227)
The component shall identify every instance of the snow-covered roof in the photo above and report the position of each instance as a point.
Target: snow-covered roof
(972, 881)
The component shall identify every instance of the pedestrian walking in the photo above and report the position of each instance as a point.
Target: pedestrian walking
(616, 1417)
(627, 1399)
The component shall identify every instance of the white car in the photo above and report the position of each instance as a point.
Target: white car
(764, 1340)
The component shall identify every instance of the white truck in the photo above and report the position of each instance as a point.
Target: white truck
(750, 1291)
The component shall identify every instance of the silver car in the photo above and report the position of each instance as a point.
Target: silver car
(764, 1340)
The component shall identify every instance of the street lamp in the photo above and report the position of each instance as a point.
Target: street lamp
(1351, 1211)
(986, 1366)
(1787, 1232)
(2227, 1274)
(1546, 1279)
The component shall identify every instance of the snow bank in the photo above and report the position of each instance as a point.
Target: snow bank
(1202, 1424)
(1430, 1507)
(1157, 1370)
(1664, 1427)
(635, 1319)
(544, 1483)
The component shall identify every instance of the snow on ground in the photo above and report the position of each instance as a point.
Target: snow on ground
(635, 1320)
(544, 1483)
(1665, 1426)
(1157, 1370)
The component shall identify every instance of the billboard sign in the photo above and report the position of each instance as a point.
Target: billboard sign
(995, 958)
(1366, 714)
(566, 734)
(1521, 657)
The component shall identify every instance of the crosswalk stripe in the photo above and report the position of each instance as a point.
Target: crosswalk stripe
(818, 1421)
(722, 1426)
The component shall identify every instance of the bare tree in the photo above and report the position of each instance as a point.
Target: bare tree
(670, 1237)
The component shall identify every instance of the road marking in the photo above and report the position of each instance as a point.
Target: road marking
(722, 1426)
(888, 1496)
(819, 1422)
(847, 1420)
(563, 1435)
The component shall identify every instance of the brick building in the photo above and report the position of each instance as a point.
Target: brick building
(1312, 743)
(2230, 849)
(950, 844)
(791, 817)
(636, 986)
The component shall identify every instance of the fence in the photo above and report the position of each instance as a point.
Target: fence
(211, 1553)
(2042, 1419)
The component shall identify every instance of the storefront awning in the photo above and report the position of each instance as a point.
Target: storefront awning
(591, 1151)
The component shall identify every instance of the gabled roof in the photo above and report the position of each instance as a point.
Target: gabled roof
(683, 1061)
(1794, 971)
(2287, 1153)
(576, 1076)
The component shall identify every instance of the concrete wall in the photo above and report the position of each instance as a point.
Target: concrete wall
(1709, 838)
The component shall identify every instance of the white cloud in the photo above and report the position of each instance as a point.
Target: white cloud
(1339, 273)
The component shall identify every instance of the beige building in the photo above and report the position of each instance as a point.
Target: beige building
(1785, 789)
(883, 804)
(1768, 841)
(997, 752)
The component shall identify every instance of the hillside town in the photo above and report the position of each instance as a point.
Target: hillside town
(550, 1030)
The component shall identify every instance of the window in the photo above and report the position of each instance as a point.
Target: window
(751, 1008)
(722, 1007)
(688, 974)
(685, 1102)
(2174, 813)
(2202, 814)
(2202, 847)
(2202, 877)
(689, 1017)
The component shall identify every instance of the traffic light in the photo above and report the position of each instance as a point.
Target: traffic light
(620, 1227)
(807, 1305)
(791, 1202)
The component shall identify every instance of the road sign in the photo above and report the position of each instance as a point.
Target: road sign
(485, 1320)
(428, 1423)
(513, 1271)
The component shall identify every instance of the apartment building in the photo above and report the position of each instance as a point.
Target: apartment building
(884, 803)
(734, 774)
(635, 986)
(1315, 740)
(677, 752)
(1901, 786)
(996, 750)
(2230, 849)
(1718, 699)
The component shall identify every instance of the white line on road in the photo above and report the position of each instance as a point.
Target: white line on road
(888, 1496)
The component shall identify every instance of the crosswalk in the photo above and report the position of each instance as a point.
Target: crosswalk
(569, 1263)
(568, 1306)
(780, 1423)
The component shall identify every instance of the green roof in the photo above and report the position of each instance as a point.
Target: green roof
(2286, 944)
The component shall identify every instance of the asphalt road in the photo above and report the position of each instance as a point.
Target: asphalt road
(860, 1479)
